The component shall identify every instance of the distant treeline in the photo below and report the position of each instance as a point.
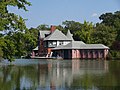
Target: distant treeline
(17, 40)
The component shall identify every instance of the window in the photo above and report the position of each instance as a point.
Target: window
(52, 44)
(60, 42)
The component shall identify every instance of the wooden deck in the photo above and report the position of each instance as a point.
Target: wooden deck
(37, 57)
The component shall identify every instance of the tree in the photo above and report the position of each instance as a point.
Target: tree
(73, 27)
(80, 31)
(104, 34)
(85, 32)
(23, 42)
(8, 49)
(31, 39)
(11, 22)
(1, 44)
(112, 20)
(43, 27)
(61, 28)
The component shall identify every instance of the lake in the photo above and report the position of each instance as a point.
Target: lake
(35, 74)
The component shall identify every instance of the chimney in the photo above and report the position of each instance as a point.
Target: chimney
(53, 28)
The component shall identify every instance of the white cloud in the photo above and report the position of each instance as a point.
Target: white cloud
(94, 15)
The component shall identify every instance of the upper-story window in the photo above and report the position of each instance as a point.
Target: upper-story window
(60, 42)
(52, 43)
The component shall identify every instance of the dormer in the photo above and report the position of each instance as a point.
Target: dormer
(56, 38)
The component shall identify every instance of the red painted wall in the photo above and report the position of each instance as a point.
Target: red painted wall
(76, 54)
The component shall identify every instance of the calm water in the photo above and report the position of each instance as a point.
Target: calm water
(60, 75)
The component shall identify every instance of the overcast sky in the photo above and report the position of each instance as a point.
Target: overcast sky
(54, 12)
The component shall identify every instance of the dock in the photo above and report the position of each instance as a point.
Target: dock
(37, 57)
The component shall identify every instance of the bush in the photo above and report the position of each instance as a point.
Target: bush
(114, 54)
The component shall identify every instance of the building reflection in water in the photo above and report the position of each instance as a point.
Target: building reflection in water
(59, 74)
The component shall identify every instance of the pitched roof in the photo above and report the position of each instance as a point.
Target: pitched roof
(96, 46)
(69, 35)
(75, 44)
(81, 45)
(57, 35)
(43, 33)
(72, 45)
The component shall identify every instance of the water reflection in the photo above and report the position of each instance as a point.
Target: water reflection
(60, 75)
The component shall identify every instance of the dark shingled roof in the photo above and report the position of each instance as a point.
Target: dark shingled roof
(81, 45)
(57, 35)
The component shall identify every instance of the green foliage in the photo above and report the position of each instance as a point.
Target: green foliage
(11, 21)
(104, 34)
(85, 32)
(24, 42)
(8, 49)
(1, 44)
(115, 53)
(31, 39)
(1, 53)
(61, 28)
(112, 20)
(18, 44)
(18, 39)
(72, 26)
(116, 45)
(43, 27)
(80, 31)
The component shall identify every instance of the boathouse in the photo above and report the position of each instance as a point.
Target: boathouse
(80, 50)
(54, 43)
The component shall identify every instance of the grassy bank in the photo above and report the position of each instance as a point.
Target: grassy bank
(114, 55)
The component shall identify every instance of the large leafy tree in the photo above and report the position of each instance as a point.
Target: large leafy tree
(80, 31)
(73, 27)
(85, 32)
(23, 42)
(11, 22)
(31, 39)
(112, 20)
(8, 49)
(43, 27)
(104, 34)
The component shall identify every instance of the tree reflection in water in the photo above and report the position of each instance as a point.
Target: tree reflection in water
(60, 75)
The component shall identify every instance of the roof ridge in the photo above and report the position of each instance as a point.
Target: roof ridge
(57, 35)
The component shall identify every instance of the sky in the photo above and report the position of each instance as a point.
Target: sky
(54, 12)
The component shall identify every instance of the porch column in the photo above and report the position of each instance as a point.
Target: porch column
(88, 52)
(73, 53)
(99, 54)
(83, 53)
(80, 54)
(105, 53)
(77, 54)
(33, 54)
(93, 52)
